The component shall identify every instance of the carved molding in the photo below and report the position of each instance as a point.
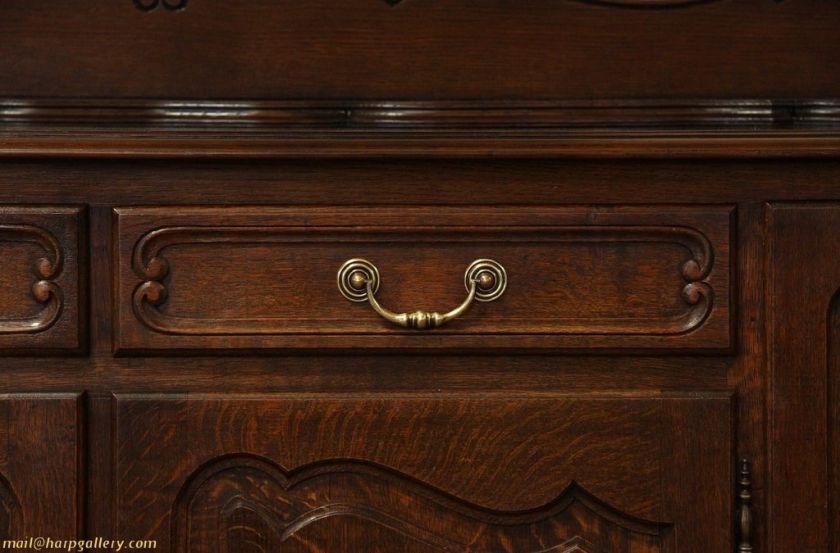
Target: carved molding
(150, 264)
(245, 499)
(45, 290)
(241, 117)
(171, 5)
(182, 129)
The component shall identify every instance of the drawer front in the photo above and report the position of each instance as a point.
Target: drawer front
(40, 281)
(605, 474)
(40, 452)
(577, 277)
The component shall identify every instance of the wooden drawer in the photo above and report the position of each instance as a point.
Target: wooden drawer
(40, 280)
(419, 473)
(577, 277)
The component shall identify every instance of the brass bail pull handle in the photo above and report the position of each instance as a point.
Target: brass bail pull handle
(358, 280)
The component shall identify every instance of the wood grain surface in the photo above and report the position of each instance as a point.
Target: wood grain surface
(582, 278)
(42, 279)
(408, 472)
(580, 186)
(611, 153)
(41, 466)
(420, 50)
(804, 377)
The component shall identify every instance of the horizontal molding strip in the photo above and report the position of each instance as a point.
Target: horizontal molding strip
(246, 129)
(422, 114)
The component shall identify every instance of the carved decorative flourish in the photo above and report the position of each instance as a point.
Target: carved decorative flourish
(45, 290)
(745, 517)
(171, 5)
(152, 267)
(254, 505)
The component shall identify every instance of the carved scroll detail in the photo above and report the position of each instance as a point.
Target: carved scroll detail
(150, 265)
(45, 290)
(171, 5)
(745, 516)
(246, 500)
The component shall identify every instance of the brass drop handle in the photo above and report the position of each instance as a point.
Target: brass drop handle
(358, 280)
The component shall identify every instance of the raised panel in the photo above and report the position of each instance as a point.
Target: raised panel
(642, 277)
(40, 284)
(804, 345)
(413, 472)
(420, 49)
(251, 504)
(40, 465)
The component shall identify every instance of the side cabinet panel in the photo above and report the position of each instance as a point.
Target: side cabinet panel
(804, 340)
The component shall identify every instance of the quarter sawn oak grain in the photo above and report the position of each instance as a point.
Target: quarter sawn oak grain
(412, 472)
(181, 179)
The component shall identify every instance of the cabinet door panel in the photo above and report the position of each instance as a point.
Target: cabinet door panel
(804, 342)
(40, 461)
(610, 474)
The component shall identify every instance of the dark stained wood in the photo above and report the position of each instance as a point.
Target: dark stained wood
(194, 117)
(411, 182)
(636, 277)
(592, 146)
(412, 472)
(124, 143)
(41, 279)
(41, 466)
(420, 50)
(804, 281)
(400, 181)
